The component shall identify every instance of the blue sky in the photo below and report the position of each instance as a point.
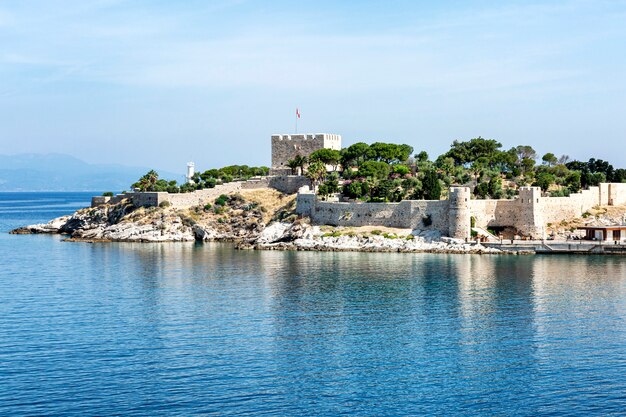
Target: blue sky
(158, 83)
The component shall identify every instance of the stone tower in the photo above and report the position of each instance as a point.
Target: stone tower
(286, 147)
(459, 215)
(531, 213)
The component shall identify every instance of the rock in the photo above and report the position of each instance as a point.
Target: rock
(53, 226)
(273, 233)
(452, 240)
(205, 234)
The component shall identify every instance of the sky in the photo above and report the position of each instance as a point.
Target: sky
(161, 83)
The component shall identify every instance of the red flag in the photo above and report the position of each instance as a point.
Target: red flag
(297, 113)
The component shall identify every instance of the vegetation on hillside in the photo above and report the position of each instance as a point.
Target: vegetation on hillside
(388, 172)
(392, 172)
(201, 180)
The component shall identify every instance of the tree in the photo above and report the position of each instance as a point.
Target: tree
(527, 165)
(445, 164)
(495, 187)
(431, 186)
(482, 190)
(572, 181)
(465, 153)
(147, 182)
(544, 180)
(316, 172)
(422, 156)
(564, 159)
(374, 169)
(327, 156)
(390, 152)
(356, 154)
(401, 170)
(294, 165)
(300, 162)
(550, 159)
(525, 152)
(355, 189)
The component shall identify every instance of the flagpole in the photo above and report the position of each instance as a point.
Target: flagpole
(296, 120)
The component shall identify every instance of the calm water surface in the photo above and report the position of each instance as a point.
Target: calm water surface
(188, 329)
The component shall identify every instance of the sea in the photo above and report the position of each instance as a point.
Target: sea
(191, 329)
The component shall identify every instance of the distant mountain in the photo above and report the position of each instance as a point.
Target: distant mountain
(60, 172)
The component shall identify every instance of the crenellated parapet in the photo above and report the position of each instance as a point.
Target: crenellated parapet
(286, 147)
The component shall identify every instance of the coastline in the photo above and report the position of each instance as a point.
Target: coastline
(266, 220)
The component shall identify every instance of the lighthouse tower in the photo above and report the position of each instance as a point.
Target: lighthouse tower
(190, 171)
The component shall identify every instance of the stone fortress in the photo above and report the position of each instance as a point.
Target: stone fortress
(286, 147)
(529, 213)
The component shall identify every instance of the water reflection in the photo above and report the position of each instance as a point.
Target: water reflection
(291, 332)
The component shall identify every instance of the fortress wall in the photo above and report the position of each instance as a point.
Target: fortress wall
(496, 212)
(362, 214)
(557, 209)
(285, 184)
(438, 211)
(408, 214)
(288, 184)
(197, 197)
(617, 194)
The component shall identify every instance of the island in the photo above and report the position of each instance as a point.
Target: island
(475, 198)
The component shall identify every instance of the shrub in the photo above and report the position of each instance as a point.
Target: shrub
(377, 232)
(410, 237)
(207, 207)
(164, 204)
(107, 194)
(188, 221)
(221, 200)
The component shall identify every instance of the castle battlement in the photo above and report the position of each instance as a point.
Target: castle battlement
(307, 136)
(288, 146)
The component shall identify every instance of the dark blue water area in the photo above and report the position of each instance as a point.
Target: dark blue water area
(192, 329)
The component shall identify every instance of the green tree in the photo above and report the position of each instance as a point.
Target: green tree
(374, 169)
(356, 154)
(481, 190)
(431, 186)
(327, 156)
(549, 159)
(301, 161)
(390, 152)
(294, 165)
(572, 181)
(495, 187)
(401, 169)
(316, 172)
(422, 156)
(544, 180)
(147, 182)
(465, 153)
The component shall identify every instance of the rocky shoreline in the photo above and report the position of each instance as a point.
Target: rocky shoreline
(258, 221)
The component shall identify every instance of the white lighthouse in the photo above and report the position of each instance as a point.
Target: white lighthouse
(190, 171)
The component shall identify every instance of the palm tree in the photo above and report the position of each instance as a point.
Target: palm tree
(293, 164)
(301, 161)
(316, 172)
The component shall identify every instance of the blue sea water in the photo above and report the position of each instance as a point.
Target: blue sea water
(192, 329)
